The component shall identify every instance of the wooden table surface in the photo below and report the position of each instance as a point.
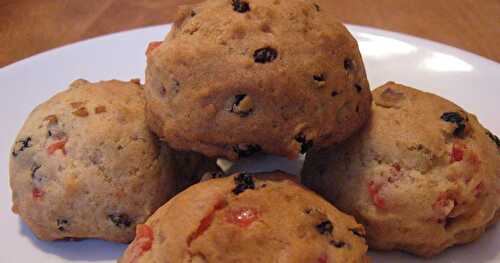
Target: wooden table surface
(28, 27)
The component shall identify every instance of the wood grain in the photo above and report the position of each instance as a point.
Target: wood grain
(28, 27)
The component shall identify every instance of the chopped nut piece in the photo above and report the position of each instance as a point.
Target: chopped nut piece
(52, 119)
(243, 105)
(77, 104)
(99, 109)
(390, 98)
(81, 112)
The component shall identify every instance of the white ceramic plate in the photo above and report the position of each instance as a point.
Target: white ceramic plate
(467, 79)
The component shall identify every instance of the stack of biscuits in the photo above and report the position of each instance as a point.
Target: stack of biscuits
(392, 169)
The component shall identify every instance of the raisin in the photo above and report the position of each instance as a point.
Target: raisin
(241, 6)
(447, 222)
(358, 232)
(325, 227)
(62, 224)
(193, 13)
(243, 182)
(348, 64)
(242, 105)
(494, 138)
(454, 117)
(320, 80)
(358, 87)
(265, 55)
(34, 169)
(306, 145)
(120, 220)
(214, 175)
(338, 244)
(317, 7)
(21, 145)
(335, 93)
(246, 150)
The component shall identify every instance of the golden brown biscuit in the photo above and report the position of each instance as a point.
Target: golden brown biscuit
(236, 77)
(248, 218)
(423, 175)
(84, 165)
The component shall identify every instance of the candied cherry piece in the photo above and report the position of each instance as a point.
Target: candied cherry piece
(373, 190)
(322, 259)
(457, 153)
(142, 243)
(242, 216)
(152, 46)
(37, 193)
(59, 145)
(206, 221)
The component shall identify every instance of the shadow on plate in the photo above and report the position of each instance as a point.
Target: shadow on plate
(485, 249)
(84, 250)
(262, 163)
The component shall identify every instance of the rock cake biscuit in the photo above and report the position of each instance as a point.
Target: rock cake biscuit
(236, 77)
(84, 165)
(423, 175)
(248, 218)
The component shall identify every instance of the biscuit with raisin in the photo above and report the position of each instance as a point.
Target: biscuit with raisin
(423, 175)
(252, 218)
(237, 77)
(85, 165)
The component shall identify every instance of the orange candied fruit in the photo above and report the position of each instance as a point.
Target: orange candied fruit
(152, 46)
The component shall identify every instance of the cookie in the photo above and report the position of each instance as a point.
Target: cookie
(423, 175)
(248, 218)
(237, 77)
(84, 165)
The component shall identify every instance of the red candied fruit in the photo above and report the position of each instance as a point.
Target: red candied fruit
(374, 193)
(152, 46)
(457, 153)
(37, 193)
(206, 222)
(59, 145)
(143, 242)
(397, 167)
(323, 259)
(479, 189)
(243, 216)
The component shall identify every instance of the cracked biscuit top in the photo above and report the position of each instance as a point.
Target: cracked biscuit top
(248, 218)
(233, 78)
(85, 165)
(422, 175)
